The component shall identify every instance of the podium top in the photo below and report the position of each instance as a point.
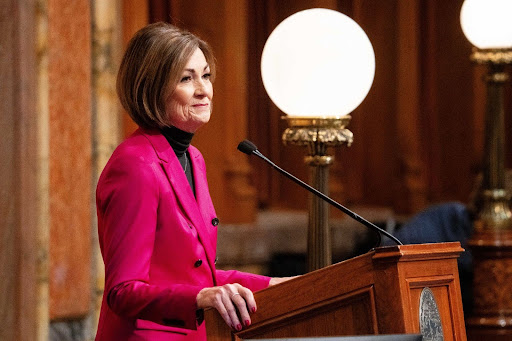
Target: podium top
(413, 252)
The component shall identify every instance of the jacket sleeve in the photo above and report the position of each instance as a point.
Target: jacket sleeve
(248, 280)
(127, 203)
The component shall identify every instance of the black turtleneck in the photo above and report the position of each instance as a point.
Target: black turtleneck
(180, 141)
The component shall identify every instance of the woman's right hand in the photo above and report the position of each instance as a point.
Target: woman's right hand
(228, 300)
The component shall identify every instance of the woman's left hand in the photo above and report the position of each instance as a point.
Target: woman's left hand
(228, 300)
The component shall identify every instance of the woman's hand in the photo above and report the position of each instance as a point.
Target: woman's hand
(228, 300)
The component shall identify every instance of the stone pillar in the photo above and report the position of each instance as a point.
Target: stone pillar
(24, 176)
(106, 118)
(69, 75)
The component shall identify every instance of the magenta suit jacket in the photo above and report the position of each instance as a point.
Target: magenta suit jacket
(158, 243)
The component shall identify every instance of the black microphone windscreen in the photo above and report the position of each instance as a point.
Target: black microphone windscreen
(247, 147)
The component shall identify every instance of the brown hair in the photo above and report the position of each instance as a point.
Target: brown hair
(152, 64)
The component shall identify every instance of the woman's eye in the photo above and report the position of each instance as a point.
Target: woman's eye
(185, 79)
(207, 75)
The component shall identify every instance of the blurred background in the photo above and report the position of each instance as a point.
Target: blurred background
(418, 139)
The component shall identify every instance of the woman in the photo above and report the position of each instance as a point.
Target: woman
(156, 221)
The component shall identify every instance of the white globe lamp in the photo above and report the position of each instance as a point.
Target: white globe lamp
(318, 63)
(317, 66)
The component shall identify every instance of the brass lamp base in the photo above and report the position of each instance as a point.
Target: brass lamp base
(318, 134)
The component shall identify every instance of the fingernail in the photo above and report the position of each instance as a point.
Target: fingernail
(238, 327)
(253, 310)
(247, 323)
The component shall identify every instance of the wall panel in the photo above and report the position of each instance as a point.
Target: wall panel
(70, 157)
(411, 133)
(410, 148)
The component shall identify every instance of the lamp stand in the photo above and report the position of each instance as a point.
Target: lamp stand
(491, 242)
(318, 134)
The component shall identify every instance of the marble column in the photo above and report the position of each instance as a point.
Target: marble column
(69, 103)
(106, 117)
(24, 215)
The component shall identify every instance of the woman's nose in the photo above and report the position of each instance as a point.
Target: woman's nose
(200, 88)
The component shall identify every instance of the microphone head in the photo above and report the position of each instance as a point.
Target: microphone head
(247, 147)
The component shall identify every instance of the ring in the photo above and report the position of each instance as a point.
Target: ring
(236, 293)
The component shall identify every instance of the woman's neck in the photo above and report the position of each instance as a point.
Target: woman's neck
(178, 139)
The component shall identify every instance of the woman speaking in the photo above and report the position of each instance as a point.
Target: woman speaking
(156, 221)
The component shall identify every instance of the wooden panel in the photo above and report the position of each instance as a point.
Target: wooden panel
(70, 157)
(259, 124)
(454, 96)
(359, 308)
(159, 10)
(410, 180)
(370, 165)
(429, 99)
(441, 288)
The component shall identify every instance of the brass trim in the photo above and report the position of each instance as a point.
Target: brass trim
(492, 56)
(329, 137)
(304, 121)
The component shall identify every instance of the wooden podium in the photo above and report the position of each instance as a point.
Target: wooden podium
(375, 293)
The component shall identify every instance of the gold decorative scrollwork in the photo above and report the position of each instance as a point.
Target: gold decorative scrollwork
(318, 134)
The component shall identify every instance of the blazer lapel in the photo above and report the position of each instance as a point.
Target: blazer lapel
(180, 185)
(204, 201)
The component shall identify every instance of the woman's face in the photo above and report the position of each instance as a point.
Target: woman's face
(189, 105)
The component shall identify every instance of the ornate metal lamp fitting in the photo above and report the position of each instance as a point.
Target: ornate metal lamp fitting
(318, 134)
(491, 56)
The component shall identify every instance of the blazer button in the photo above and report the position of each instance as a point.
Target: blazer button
(198, 263)
(215, 221)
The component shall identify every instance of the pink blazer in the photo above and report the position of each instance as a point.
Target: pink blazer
(158, 243)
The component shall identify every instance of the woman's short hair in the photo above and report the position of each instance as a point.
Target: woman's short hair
(152, 64)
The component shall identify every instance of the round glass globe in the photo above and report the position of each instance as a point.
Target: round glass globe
(486, 23)
(318, 63)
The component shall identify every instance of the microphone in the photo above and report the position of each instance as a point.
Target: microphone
(249, 148)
